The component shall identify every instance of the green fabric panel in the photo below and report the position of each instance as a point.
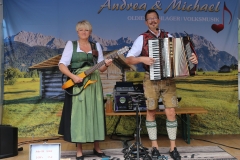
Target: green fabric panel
(80, 58)
(87, 122)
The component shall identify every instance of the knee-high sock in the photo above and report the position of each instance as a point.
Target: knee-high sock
(172, 129)
(152, 130)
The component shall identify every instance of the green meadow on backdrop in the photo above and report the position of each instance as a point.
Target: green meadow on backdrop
(32, 46)
(216, 92)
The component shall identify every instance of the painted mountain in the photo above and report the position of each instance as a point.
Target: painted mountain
(26, 49)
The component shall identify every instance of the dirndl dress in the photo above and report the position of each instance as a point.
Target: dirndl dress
(83, 118)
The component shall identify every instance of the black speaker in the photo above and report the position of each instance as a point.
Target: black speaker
(8, 141)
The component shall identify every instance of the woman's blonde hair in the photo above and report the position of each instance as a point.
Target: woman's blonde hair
(84, 25)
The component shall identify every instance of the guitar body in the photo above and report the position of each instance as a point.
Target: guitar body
(70, 83)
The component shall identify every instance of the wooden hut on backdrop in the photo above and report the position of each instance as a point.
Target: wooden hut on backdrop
(224, 69)
(51, 79)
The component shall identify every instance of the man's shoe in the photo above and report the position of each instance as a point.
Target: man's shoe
(174, 154)
(155, 153)
(102, 155)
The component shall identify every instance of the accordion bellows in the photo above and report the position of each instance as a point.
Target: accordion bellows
(171, 58)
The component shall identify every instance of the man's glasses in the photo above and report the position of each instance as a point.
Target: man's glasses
(152, 19)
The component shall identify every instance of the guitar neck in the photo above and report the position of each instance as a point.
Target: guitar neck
(98, 65)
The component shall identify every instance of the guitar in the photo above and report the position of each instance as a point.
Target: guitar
(84, 74)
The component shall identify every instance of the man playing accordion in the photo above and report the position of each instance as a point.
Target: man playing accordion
(154, 89)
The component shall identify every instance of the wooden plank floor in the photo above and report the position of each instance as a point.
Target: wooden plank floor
(228, 140)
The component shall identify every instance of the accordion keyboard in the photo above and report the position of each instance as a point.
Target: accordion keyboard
(154, 50)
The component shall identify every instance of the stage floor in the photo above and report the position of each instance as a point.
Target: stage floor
(218, 140)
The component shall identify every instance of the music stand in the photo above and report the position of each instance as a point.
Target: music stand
(129, 155)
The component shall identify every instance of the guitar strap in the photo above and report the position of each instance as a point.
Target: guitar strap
(94, 52)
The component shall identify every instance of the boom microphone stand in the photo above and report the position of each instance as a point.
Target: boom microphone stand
(129, 155)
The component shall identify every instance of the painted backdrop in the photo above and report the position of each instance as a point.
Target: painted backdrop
(35, 31)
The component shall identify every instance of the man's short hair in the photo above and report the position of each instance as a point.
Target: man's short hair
(151, 11)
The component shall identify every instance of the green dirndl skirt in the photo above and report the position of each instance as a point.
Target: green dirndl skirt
(83, 116)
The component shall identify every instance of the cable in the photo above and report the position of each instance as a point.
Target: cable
(37, 140)
(215, 143)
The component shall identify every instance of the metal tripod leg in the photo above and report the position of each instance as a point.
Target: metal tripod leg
(129, 153)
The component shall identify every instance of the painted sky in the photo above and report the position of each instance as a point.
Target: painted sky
(58, 18)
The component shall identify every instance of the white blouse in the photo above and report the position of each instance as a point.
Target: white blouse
(68, 50)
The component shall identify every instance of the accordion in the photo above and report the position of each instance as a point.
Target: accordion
(171, 58)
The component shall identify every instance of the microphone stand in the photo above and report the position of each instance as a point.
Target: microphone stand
(129, 155)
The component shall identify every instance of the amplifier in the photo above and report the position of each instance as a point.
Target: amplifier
(123, 102)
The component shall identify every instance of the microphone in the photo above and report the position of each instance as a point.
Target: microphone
(135, 93)
(137, 96)
(162, 30)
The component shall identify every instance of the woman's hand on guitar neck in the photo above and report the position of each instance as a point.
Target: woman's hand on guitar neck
(108, 62)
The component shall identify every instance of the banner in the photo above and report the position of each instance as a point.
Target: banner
(36, 31)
